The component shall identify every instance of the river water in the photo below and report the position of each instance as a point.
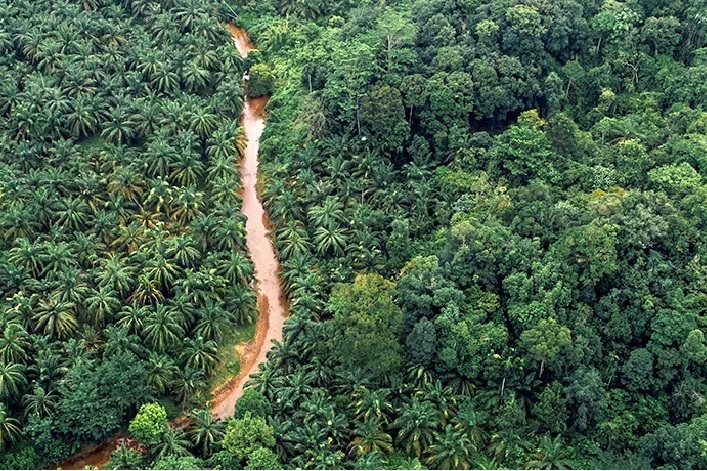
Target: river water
(271, 300)
(272, 304)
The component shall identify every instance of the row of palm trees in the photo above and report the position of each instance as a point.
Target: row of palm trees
(120, 224)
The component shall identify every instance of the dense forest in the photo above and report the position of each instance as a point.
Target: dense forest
(488, 215)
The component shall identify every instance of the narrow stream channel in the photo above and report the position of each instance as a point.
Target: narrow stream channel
(271, 300)
(272, 304)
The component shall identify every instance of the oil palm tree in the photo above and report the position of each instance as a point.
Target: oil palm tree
(237, 268)
(452, 449)
(220, 165)
(194, 76)
(160, 155)
(164, 79)
(369, 438)
(162, 328)
(188, 12)
(125, 458)
(15, 344)
(131, 317)
(56, 319)
(126, 182)
(148, 113)
(229, 93)
(102, 304)
(187, 169)
(183, 250)
(172, 443)
(551, 454)
(330, 240)
(161, 196)
(202, 121)
(146, 291)
(161, 270)
(116, 275)
(118, 126)
(13, 379)
(70, 285)
(187, 205)
(372, 403)
(223, 148)
(212, 321)
(188, 381)
(203, 55)
(225, 189)
(10, 429)
(72, 213)
(200, 354)
(293, 240)
(104, 223)
(205, 431)
(229, 234)
(161, 372)
(416, 426)
(243, 304)
(47, 368)
(28, 255)
(331, 211)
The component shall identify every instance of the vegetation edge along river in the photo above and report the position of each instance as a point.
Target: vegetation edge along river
(272, 303)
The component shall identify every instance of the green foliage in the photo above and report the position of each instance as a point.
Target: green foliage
(245, 436)
(490, 220)
(184, 462)
(98, 396)
(223, 460)
(545, 341)
(263, 458)
(149, 424)
(261, 81)
(366, 326)
(25, 457)
(125, 458)
(529, 178)
(254, 402)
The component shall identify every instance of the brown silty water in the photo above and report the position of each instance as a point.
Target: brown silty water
(272, 304)
(271, 300)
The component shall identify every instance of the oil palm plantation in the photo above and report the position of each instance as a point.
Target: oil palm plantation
(118, 198)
